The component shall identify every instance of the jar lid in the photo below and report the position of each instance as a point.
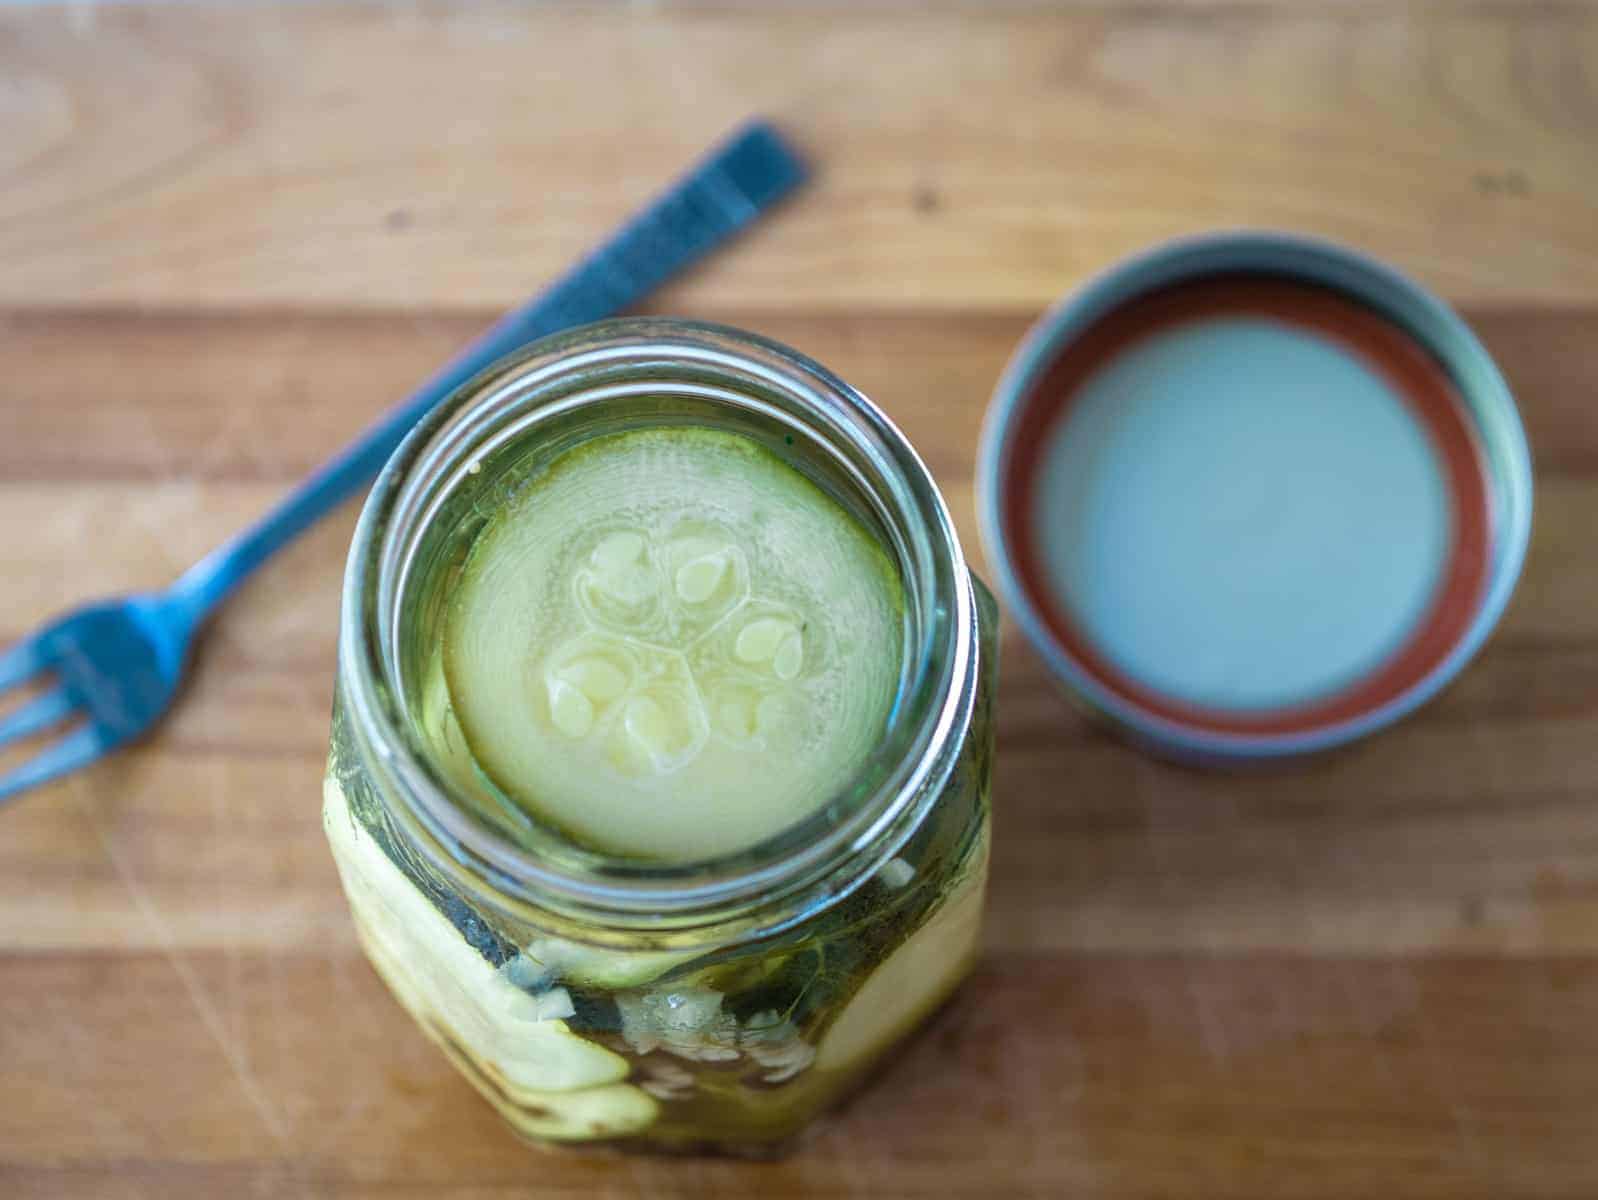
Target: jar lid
(1253, 495)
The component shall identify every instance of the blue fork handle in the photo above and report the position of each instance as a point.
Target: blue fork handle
(735, 183)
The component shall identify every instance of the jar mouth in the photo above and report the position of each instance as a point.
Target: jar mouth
(559, 388)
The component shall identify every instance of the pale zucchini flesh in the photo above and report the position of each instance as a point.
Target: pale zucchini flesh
(916, 977)
(658, 618)
(537, 1063)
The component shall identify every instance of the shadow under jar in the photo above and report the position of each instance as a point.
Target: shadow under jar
(714, 927)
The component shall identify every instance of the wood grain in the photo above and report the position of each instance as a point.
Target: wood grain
(1159, 1076)
(232, 237)
(974, 158)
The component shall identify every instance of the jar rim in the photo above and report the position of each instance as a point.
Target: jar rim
(821, 857)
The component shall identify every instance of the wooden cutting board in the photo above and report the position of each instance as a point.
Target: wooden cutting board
(230, 237)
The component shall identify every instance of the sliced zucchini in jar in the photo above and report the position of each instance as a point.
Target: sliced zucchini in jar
(658, 618)
(601, 1112)
(521, 1039)
(614, 1110)
(915, 978)
(551, 959)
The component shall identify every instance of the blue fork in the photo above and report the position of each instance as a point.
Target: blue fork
(118, 664)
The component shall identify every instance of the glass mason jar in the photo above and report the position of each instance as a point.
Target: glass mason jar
(714, 1005)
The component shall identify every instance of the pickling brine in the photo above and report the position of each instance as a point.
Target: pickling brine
(659, 778)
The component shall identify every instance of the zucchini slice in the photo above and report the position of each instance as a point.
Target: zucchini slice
(915, 979)
(447, 985)
(670, 644)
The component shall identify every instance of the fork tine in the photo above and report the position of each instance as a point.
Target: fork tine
(39, 713)
(78, 749)
(20, 662)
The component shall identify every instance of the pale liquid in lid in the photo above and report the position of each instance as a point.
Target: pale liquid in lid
(1241, 515)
